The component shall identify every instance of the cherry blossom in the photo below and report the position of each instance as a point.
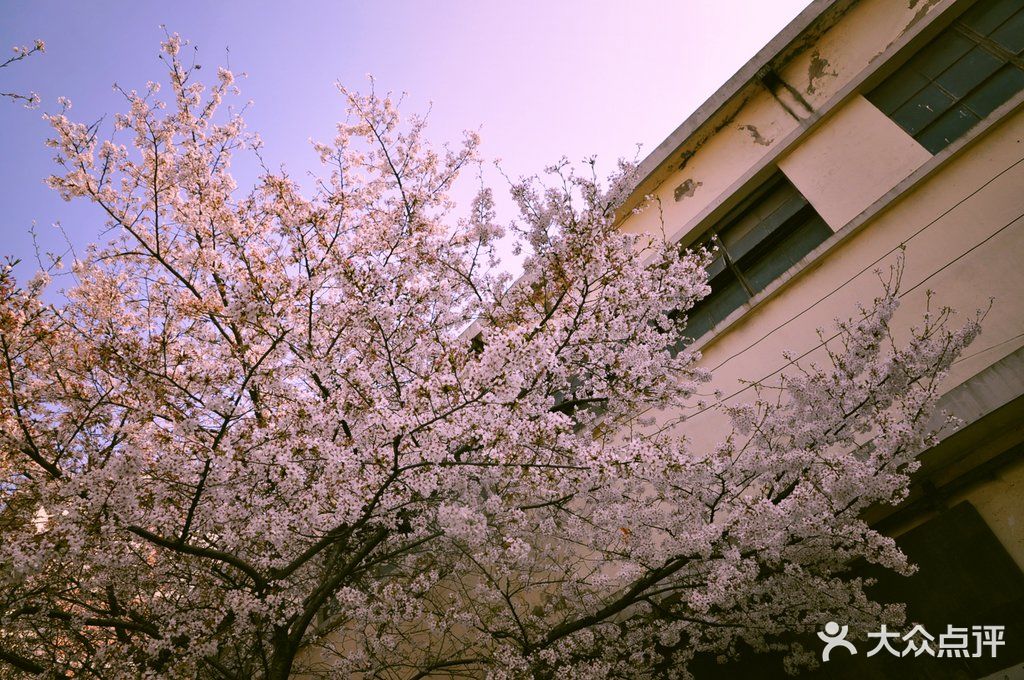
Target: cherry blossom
(30, 100)
(274, 431)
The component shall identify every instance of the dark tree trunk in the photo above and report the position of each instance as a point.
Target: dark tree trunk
(282, 657)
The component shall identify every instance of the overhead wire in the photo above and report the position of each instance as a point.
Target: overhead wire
(824, 342)
(869, 266)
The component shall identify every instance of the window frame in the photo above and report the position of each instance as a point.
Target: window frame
(792, 214)
(910, 71)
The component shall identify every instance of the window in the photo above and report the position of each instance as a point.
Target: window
(757, 241)
(960, 77)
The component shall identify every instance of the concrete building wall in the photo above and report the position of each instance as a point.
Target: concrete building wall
(764, 118)
(998, 499)
(963, 232)
(851, 160)
(956, 215)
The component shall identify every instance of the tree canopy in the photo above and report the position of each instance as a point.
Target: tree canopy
(272, 431)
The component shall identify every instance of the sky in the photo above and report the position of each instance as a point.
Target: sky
(538, 79)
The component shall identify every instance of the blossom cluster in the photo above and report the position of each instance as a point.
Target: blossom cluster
(30, 100)
(273, 431)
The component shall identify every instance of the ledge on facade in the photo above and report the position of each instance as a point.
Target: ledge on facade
(991, 406)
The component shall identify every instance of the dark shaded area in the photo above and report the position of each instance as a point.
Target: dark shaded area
(965, 578)
(757, 242)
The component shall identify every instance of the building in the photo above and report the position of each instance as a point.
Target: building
(866, 127)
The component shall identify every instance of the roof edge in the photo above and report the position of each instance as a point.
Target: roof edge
(778, 45)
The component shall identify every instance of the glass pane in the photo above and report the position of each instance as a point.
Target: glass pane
(726, 295)
(968, 72)
(987, 15)
(803, 237)
(998, 89)
(1011, 34)
(780, 194)
(748, 214)
(770, 230)
(716, 267)
(922, 109)
(765, 218)
(940, 54)
(897, 89)
(946, 129)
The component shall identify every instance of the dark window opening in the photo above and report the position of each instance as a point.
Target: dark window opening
(966, 577)
(960, 77)
(759, 240)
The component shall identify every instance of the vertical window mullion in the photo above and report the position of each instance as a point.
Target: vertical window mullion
(732, 265)
(989, 45)
(985, 76)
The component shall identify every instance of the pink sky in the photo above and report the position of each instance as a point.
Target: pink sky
(540, 80)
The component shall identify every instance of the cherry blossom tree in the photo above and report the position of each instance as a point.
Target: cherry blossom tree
(276, 432)
(21, 52)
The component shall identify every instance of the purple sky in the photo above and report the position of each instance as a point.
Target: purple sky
(540, 79)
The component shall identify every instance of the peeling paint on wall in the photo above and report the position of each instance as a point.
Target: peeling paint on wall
(756, 135)
(923, 8)
(818, 69)
(686, 189)
(926, 6)
(698, 142)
